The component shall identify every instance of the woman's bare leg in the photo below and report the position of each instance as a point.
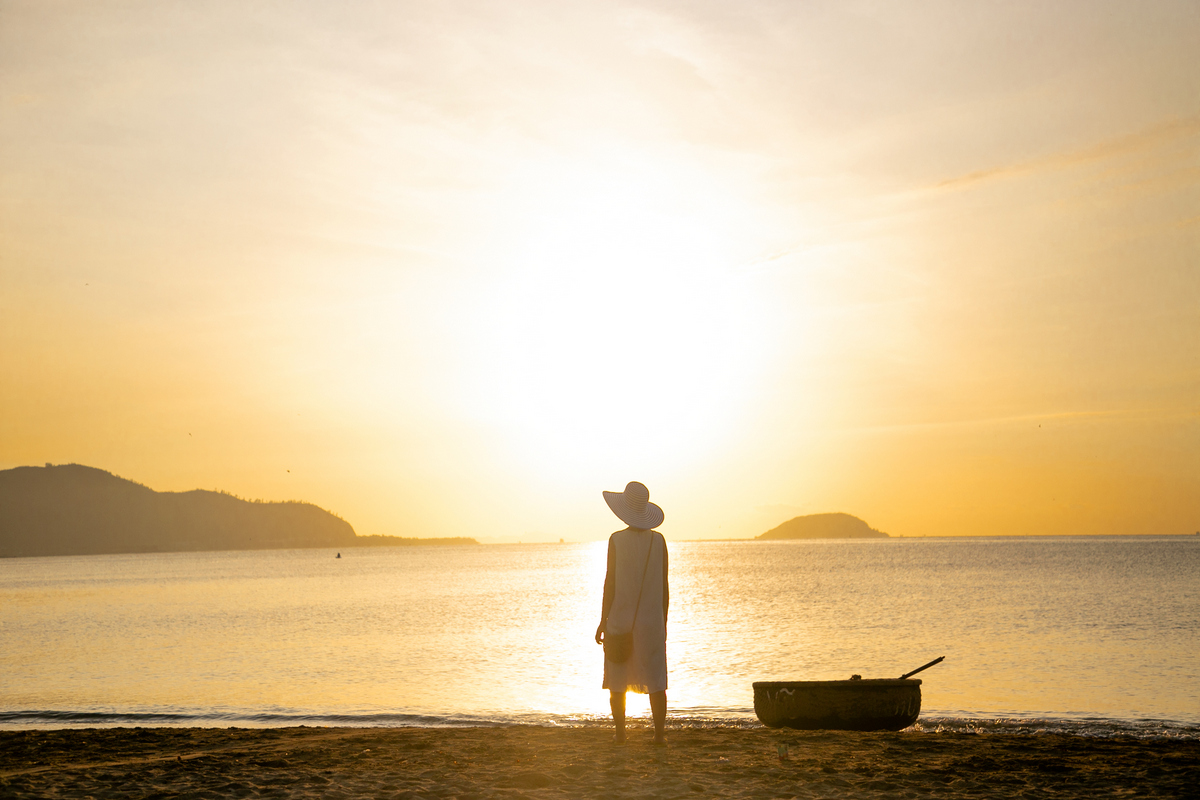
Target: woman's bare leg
(616, 700)
(658, 708)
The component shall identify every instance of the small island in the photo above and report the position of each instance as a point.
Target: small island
(71, 509)
(823, 526)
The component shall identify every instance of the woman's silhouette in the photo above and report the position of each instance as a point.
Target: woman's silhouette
(636, 597)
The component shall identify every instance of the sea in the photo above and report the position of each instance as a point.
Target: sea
(1097, 636)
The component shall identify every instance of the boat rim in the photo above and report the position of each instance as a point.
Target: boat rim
(848, 684)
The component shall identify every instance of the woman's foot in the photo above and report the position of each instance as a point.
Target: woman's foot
(619, 738)
(660, 741)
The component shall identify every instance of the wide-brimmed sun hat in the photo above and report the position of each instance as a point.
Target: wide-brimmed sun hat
(633, 506)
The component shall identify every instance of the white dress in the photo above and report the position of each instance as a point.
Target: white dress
(646, 670)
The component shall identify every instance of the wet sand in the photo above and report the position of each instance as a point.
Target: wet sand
(536, 762)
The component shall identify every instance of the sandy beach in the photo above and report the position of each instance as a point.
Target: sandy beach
(582, 762)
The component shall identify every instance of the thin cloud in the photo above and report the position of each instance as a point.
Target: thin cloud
(1143, 140)
(1061, 416)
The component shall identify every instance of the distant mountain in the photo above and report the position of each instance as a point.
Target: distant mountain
(71, 509)
(824, 526)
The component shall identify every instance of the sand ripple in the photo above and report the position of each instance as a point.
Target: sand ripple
(442, 763)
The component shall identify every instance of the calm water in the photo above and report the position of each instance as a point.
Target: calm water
(1083, 633)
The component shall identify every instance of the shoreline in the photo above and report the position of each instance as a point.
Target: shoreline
(529, 761)
(931, 722)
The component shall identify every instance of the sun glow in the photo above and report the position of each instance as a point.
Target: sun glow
(621, 329)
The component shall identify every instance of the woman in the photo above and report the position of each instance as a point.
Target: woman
(636, 597)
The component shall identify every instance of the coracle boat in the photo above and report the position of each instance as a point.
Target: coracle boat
(853, 705)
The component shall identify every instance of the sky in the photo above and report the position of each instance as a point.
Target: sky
(454, 268)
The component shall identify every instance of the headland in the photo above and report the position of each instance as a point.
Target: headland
(72, 509)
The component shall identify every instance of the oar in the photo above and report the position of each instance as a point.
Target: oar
(937, 660)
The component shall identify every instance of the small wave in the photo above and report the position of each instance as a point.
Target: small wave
(245, 718)
(249, 719)
(1097, 727)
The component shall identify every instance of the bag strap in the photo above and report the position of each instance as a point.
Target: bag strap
(642, 586)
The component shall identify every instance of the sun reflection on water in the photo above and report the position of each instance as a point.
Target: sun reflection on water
(1058, 628)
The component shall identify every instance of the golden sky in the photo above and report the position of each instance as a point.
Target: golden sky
(453, 268)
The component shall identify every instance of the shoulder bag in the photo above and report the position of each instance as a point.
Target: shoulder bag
(618, 647)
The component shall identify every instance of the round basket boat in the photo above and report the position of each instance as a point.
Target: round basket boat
(855, 705)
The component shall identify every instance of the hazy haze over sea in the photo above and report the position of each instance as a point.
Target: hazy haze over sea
(1092, 633)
